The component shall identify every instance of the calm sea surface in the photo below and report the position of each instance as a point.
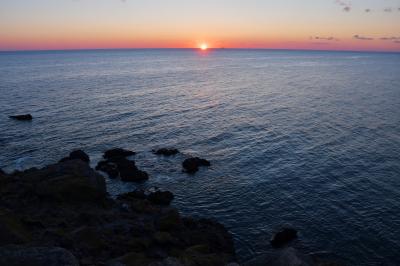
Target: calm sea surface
(307, 139)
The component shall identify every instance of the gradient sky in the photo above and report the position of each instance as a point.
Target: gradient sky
(283, 24)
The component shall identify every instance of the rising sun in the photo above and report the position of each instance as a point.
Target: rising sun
(203, 46)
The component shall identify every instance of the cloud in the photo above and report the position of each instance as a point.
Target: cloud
(363, 38)
(345, 4)
(367, 10)
(388, 10)
(391, 39)
(324, 38)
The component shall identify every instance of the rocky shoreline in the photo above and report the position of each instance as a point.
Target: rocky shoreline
(62, 215)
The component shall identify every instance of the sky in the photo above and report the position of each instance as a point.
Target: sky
(280, 24)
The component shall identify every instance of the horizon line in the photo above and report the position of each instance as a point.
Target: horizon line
(195, 48)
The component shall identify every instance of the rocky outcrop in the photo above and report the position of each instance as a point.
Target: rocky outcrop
(283, 237)
(27, 117)
(14, 255)
(77, 154)
(61, 215)
(191, 165)
(166, 151)
(117, 165)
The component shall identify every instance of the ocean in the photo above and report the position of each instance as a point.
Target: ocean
(308, 139)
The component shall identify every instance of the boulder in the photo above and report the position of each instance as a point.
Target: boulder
(136, 194)
(27, 117)
(88, 238)
(283, 237)
(170, 261)
(161, 197)
(69, 181)
(129, 172)
(117, 152)
(131, 259)
(191, 165)
(166, 151)
(209, 233)
(77, 155)
(13, 255)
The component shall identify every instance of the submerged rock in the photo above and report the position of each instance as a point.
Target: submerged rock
(77, 154)
(13, 255)
(166, 151)
(191, 165)
(117, 152)
(283, 237)
(27, 117)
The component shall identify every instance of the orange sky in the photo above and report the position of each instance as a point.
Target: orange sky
(285, 24)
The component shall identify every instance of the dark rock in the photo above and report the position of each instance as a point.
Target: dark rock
(12, 230)
(27, 117)
(166, 152)
(191, 165)
(2, 172)
(129, 172)
(70, 181)
(13, 255)
(117, 152)
(283, 237)
(111, 169)
(131, 259)
(88, 238)
(207, 232)
(66, 205)
(170, 220)
(136, 194)
(170, 261)
(77, 155)
(161, 197)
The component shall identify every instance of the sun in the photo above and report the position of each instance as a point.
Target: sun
(203, 46)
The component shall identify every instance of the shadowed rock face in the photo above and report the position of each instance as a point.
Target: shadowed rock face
(64, 207)
(27, 117)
